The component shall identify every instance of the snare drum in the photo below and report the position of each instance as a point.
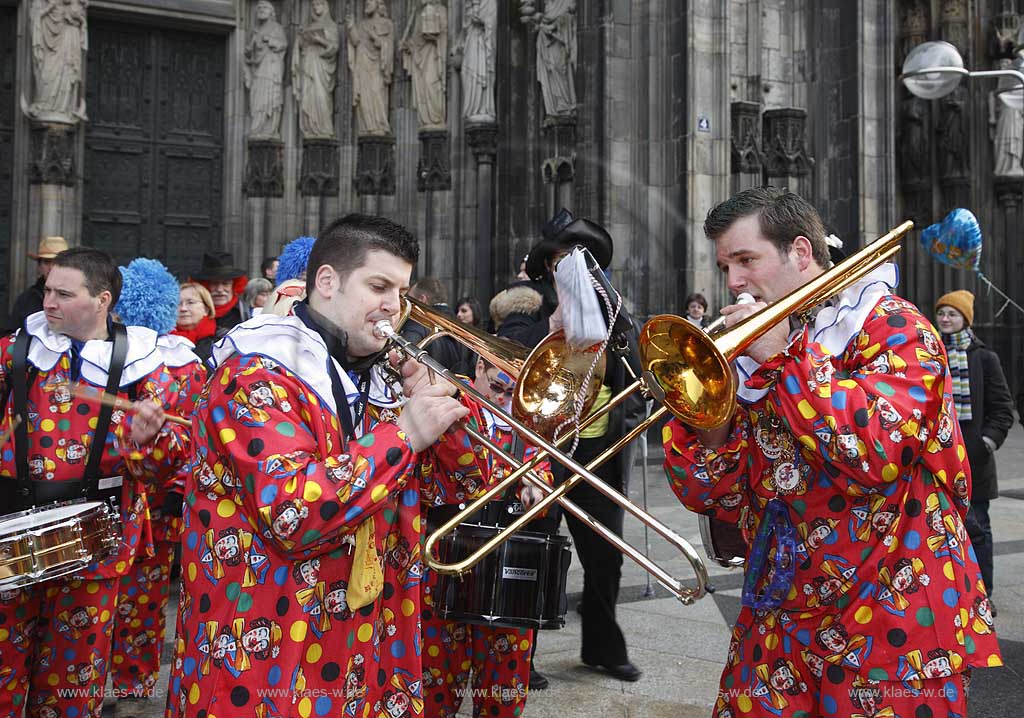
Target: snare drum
(519, 585)
(56, 540)
(723, 541)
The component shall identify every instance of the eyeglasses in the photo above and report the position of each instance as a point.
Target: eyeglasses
(502, 389)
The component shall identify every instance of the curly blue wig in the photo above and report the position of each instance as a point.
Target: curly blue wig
(294, 258)
(149, 296)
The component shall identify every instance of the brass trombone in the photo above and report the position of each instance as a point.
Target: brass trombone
(689, 373)
(563, 368)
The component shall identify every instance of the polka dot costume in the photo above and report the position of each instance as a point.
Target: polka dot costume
(280, 515)
(865, 452)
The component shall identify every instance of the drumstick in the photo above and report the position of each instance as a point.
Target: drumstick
(116, 402)
(10, 430)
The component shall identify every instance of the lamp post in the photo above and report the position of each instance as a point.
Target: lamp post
(934, 69)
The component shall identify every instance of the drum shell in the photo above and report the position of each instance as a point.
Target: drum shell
(519, 585)
(723, 541)
(34, 548)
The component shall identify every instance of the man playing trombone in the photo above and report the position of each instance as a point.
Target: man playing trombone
(301, 547)
(844, 467)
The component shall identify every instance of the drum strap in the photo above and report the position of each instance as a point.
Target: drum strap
(27, 489)
(99, 437)
(20, 409)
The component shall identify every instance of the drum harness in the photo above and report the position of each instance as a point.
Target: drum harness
(31, 492)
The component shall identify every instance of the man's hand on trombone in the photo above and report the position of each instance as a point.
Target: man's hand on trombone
(431, 409)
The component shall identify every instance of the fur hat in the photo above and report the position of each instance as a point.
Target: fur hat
(149, 296)
(294, 258)
(962, 301)
(517, 299)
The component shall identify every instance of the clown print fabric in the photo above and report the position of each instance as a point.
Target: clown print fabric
(864, 449)
(301, 560)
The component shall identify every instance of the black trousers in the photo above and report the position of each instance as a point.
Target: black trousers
(603, 642)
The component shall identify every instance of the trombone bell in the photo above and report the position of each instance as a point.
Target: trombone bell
(697, 383)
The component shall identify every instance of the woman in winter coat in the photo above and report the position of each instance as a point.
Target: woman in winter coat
(983, 407)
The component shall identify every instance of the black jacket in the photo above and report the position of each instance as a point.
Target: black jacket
(446, 350)
(991, 416)
(28, 302)
(530, 329)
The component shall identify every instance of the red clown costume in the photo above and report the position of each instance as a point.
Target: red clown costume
(55, 636)
(300, 553)
(498, 659)
(144, 591)
(852, 429)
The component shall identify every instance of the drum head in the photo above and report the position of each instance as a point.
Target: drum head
(35, 518)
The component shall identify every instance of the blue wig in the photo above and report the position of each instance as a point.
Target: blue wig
(149, 296)
(294, 258)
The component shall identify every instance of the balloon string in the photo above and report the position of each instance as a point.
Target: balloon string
(1001, 293)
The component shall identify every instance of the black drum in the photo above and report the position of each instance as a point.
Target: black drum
(519, 585)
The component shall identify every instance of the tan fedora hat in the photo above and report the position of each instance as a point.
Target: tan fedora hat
(49, 247)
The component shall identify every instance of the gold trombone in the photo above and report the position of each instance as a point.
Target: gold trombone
(689, 374)
(564, 369)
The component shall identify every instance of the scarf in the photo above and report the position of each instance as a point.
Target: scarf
(956, 348)
(206, 327)
(366, 579)
(223, 309)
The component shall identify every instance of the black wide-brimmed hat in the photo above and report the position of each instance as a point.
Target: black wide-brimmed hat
(218, 265)
(563, 232)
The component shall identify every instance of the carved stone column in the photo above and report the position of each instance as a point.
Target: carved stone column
(317, 179)
(264, 177)
(53, 168)
(745, 120)
(559, 168)
(375, 165)
(433, 174)
(953, 126)
(913, 147)
(483, 142)
(785, 146)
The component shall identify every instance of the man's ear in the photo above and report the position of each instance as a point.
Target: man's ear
(327, 281)
(104, 297)
(802, 251)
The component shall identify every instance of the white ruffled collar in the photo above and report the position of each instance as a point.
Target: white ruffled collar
(834, 326)
(176, 350)
(289, 342)
(47, 347)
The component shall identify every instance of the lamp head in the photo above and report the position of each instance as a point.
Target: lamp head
(938, 55)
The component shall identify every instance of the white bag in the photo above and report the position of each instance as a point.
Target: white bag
(582, 318)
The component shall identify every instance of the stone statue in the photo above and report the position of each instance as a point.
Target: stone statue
(314, 68)
(1006, 122)
(58, 39)
(425, 57)
(476, 54)
(556, 57)
(264, 73)
(913, 141)
(371, 50)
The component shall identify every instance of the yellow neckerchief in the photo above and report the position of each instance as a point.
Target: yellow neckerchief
(366, 581)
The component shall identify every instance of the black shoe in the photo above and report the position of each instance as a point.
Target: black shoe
(538, 681)
(624, 672)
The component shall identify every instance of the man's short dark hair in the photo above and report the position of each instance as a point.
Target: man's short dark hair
(782, 215)
(267, 263)
(430, 290)
(344, 243)
(101, 273)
